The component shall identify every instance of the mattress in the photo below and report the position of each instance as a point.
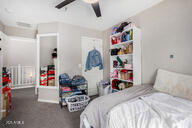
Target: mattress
(96, 113)
(157, 110)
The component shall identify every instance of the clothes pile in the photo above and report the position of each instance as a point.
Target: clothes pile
(43, 76)
(47, 75)
(48, 72)
(65, 80)
(78, 80)
(6, 77)
(51, 75)
(6, 91)
(71, 87)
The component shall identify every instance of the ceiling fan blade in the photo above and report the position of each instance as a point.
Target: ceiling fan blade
(64, 3)
(96, 8)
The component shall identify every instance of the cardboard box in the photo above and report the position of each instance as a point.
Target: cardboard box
(130, 48)
(5, 95)
(5, 104)
(51, 82)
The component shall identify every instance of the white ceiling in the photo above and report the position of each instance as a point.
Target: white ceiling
(77, 13)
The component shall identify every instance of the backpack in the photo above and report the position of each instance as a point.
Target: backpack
(122, 26)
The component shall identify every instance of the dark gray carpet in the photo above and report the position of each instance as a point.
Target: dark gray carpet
(36, 114)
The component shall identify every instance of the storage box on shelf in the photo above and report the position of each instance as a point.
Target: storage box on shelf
(43, 76)
(6, 105)
(47, 76)
(125, 59)
(51, 75)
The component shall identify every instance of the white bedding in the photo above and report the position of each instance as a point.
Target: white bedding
(158, 110)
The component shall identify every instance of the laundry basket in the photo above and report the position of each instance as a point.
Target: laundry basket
(76, 103)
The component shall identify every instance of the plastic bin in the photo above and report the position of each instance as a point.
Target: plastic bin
(76, 103)
(104, 89)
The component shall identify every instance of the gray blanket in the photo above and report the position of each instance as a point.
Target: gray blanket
(96, 112)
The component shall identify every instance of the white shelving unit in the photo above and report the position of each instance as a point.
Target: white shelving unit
(133, 58)
(47, 93)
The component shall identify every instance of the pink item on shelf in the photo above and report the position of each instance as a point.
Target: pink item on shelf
(114, 74)
(128, 66)
(66, 89)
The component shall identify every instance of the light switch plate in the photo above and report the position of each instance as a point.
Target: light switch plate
(79, 65)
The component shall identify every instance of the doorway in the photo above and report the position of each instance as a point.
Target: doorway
(94, 75)
(47, 83)
(21, 61)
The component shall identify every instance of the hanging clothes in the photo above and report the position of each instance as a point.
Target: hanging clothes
(93, 60)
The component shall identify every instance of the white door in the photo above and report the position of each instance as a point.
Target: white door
(94, 75)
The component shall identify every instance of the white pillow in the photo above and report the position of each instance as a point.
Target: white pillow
(175, 84)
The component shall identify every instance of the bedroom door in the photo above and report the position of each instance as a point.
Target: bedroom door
(94, 75)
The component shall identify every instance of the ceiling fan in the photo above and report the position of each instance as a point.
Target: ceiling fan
(94, 4)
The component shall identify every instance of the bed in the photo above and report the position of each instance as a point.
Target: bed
(144, 106)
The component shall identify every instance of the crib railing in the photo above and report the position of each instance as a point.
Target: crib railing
(22, 75)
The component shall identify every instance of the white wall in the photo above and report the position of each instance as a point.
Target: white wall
(47, 44)
(21, 47)
(4, 40)
(21, 51)
(20, 32)
(1, 27)
(70, 44)
(69, 51)
(166, 29)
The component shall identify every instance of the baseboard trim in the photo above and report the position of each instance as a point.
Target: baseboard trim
(48, 101)
(21, 87)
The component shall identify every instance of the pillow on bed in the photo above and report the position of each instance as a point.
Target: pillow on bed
(175, 84)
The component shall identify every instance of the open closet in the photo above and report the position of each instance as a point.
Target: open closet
(47, 67)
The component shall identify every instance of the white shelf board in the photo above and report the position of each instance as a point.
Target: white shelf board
(122, 43)
(48, 87)
(128, 29)
(120, 33)
(122, 55)
(126, 80)
(130, 81)
(122, 68)
(116, 35)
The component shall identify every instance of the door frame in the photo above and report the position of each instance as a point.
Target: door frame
(92, 38)
(38, 61)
